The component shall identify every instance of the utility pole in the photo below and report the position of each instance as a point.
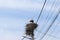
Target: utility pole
(32, 37)
(30, 27)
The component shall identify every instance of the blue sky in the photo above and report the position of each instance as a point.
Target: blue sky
(15, 14)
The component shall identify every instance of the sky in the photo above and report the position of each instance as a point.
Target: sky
(15, 14)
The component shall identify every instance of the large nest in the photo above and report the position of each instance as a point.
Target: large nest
(30, 28)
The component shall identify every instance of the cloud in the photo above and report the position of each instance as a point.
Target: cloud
(11, 28)
(29, 5)
(18, 4)
(24, 4)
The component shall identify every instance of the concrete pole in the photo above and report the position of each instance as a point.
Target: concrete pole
(32, 38)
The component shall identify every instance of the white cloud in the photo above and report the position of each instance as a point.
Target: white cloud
(25, 4)
(11, 28)
(18, 4)
(8, 26)
(28, 5)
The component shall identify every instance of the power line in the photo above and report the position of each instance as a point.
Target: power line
(50, 25)
(49, 35)
(47, 17)
(52, 6)
(54, 28)
(50, 9)
(41, 11)
(53, 31)
(39, 14)
(53, 36)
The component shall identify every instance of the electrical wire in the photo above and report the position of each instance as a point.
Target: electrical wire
(53, 30)
(50, 10)
(49, 35)
(52, 6)
(41, 11)
(56, 25)
(50, 25)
